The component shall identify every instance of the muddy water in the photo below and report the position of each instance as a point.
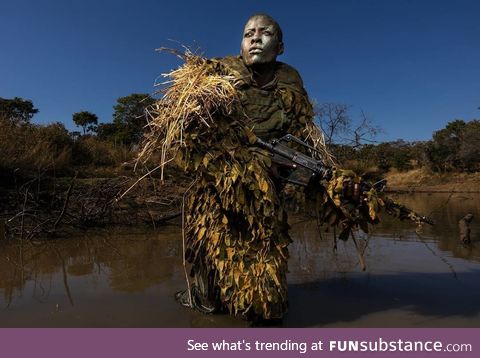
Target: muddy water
(127, 279)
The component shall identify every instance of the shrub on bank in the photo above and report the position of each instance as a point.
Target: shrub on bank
(27, 150)
(91, 151)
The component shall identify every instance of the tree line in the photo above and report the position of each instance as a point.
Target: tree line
(26, 147)
(455, 148)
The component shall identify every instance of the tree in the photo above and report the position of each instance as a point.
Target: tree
(469, 151)
(455, 147)
(365, 131)
(442, 151)
(17, 110)
(87, 120)
(107, 131)
(129, 118)
(334, 121)
(338, 127)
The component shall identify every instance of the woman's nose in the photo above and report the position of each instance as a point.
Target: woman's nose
(256, 37)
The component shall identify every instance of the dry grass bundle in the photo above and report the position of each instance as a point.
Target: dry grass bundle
(192, 95)
(314, 135)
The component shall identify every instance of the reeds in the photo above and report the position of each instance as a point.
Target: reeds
(315, 137)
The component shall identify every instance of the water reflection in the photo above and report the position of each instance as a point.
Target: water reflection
(132, 263)
(446, 209)
(123, 279)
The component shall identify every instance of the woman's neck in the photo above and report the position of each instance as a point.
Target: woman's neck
(262, 73)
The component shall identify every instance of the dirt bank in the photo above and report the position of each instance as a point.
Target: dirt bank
(422, 180)
(48, 207)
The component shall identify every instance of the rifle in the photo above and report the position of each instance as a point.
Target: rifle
(305, 170)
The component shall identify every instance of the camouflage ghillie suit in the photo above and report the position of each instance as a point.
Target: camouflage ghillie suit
(209, 120)
(236, 228)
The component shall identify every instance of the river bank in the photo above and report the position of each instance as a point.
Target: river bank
(424, 181)
(47, 207)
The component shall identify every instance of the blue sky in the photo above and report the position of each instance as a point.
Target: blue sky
(411, 66)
